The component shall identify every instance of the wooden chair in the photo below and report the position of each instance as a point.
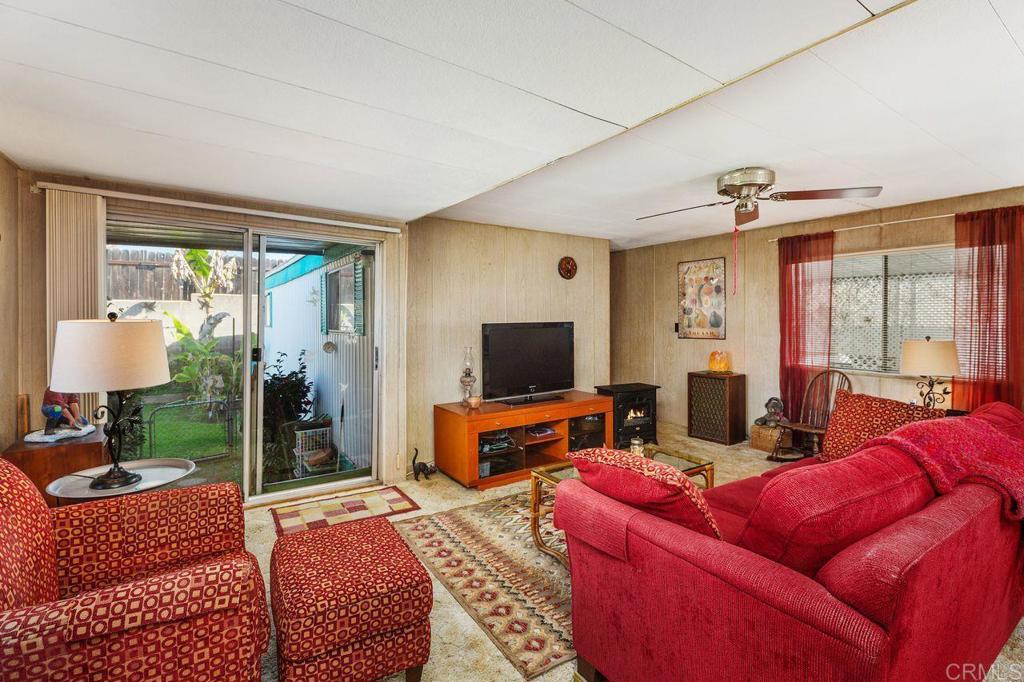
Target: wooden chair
(819, 400)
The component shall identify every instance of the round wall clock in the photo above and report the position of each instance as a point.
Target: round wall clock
(567, 267)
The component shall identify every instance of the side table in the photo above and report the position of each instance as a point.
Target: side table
(46, 462)
(154, 472)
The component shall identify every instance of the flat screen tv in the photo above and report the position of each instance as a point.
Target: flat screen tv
(526, 361)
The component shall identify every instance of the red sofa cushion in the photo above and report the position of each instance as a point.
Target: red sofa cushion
(648, 485)
(730, 524)
(1002, 416)
(739, 497)
(857, 418)
(807, 461)
(803, 517)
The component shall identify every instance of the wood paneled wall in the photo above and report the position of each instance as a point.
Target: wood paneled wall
(644, 299)
(8, 300)
(464, 274)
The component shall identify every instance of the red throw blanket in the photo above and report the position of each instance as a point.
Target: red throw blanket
(964, 449)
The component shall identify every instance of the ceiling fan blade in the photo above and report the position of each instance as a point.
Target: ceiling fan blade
(748, 217)
(688, 208)
(839, 193)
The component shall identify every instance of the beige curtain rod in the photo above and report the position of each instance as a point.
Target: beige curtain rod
(883, 224)
(217, 207)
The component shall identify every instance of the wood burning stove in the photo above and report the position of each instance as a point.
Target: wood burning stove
(635, 412)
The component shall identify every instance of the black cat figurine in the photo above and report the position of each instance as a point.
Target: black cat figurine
(421, 467)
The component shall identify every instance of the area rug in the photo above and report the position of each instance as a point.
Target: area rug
(484, 555)
(293, 518)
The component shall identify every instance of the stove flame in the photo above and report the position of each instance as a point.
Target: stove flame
(635, 414)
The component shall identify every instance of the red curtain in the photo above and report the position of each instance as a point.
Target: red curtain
(988, 324)
(805, 314)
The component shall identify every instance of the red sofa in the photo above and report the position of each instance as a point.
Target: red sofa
(847, 570)
(154, 586)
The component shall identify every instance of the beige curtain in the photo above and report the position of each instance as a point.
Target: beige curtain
(75, 247)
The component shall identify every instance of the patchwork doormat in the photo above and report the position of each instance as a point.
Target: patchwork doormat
(295, 517)
(485, 556)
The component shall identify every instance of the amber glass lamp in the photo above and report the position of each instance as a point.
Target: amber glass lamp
(719, 362)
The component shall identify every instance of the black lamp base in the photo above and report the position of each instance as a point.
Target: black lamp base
(116, 477)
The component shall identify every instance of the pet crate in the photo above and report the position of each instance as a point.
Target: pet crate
(314, 453)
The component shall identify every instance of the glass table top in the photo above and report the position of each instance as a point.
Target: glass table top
(684, 461)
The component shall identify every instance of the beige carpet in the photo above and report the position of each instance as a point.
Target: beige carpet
(459, 649)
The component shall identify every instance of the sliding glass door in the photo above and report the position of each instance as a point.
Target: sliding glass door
(191, 279)
(314, 369)
(271, 344)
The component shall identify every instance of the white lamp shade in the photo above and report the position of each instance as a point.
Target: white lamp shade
(98, 355)
(922, 357)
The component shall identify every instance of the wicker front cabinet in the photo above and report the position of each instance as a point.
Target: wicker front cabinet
(716, 407)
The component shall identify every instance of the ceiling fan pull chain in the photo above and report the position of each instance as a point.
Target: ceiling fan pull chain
(735, 257)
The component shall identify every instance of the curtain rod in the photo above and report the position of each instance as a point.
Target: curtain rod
(883, 224)
(216, 207)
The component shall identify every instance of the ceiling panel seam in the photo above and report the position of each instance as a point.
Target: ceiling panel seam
(898, 113)
(448, 62)
(865, 7)
(243, 150)
(699, 96)
(234, 115)
(1006, 28)
(254, 74)
(648, 44)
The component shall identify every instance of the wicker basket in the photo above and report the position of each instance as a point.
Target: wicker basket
(764, 437)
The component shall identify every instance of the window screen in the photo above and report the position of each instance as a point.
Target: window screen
(881, 299)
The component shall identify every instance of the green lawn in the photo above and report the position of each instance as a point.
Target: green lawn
(185, 432)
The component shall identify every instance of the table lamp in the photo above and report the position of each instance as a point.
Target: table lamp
(930, 360)
(116, 356)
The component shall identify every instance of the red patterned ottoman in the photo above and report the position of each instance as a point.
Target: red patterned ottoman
(350, 602)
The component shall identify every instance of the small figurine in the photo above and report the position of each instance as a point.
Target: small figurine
(62, 411)
(775, 414)
(421, 467)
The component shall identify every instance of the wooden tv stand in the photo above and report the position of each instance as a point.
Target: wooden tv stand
(579, 420)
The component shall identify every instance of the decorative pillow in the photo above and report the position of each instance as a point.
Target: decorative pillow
(651, 486)
(857, 418)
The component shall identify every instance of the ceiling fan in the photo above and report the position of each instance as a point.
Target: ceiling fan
(747, 186)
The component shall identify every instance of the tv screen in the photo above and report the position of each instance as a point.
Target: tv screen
(527, 358)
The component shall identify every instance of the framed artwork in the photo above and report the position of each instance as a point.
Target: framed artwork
(702, 299)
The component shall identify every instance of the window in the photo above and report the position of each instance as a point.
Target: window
(341, 299)
(881, 299)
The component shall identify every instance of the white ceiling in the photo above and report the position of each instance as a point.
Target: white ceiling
(389, 107)
(925, 101)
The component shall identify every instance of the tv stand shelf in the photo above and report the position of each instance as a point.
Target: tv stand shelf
(458, 430)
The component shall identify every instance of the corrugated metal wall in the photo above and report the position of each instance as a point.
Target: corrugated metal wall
(344, 377)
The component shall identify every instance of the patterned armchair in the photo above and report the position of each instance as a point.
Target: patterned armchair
(155, 586)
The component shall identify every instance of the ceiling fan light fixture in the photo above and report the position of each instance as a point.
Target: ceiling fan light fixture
(746, 182)
(745, 186)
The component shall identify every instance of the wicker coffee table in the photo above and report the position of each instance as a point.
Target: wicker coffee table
(544, 479)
